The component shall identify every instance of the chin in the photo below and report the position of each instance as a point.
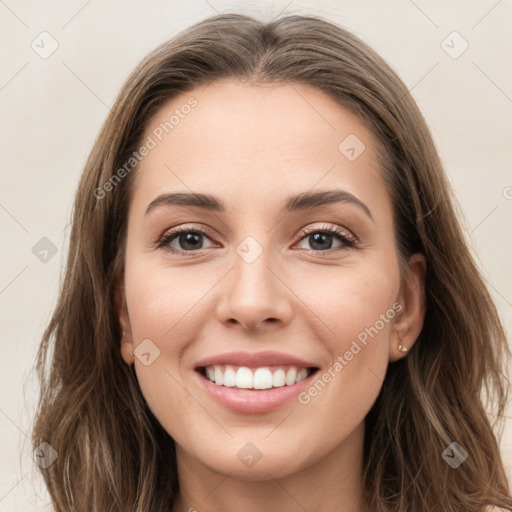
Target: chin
(264, 469)
(257, 461)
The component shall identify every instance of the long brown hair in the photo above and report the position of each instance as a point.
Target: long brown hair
(452, 387)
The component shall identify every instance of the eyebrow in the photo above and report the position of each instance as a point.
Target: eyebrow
(293, 203)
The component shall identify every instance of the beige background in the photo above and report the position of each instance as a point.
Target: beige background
(52, 109)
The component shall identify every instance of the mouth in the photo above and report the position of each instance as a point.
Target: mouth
(255, 378)
(254, 383)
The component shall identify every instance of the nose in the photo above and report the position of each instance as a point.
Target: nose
(254, 296)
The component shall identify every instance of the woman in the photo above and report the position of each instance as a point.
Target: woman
(269, 303)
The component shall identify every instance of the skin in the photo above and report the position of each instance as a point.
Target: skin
(252, 146)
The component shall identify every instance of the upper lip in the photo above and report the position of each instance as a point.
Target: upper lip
(255, 360)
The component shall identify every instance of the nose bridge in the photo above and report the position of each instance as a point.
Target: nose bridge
(253, 283)
(253, 293)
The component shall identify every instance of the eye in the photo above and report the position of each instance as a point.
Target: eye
(188, 240)
(321, 238)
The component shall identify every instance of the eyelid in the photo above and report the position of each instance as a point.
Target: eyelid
(330, 228)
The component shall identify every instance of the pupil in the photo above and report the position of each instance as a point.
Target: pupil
(318, 238)
(190, 238)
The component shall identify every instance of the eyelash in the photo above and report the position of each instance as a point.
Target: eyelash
(342, 235)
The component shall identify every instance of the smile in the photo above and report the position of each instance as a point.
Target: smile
(253, 383)
(266, 377)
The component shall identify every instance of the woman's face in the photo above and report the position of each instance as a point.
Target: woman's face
(256, 292)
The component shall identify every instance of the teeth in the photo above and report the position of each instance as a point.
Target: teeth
(279, 378)
(229, 377)
(291, 374)
(303, 373)
(260, 378)
(219, 376)
(243, 378)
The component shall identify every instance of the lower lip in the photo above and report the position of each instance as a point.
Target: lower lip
(251, 401)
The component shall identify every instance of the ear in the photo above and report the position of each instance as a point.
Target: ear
(409, 322)
(124, 320)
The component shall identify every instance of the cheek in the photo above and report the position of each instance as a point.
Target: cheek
(363, 316)
(161, 317)
(162, 301)
(366, 299)
(360, 307)
(159, 306)
(351, 300)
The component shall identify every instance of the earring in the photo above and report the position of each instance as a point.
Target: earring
(402, 348)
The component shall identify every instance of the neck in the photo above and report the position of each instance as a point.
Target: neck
(332, 484)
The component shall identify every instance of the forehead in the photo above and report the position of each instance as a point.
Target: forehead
(257, 140)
